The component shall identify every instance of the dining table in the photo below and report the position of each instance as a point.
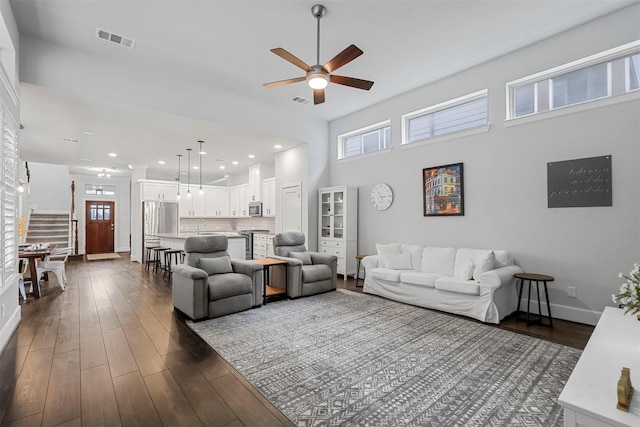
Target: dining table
(33, 256)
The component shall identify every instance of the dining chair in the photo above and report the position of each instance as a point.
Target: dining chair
(55, 263)
(23, 266)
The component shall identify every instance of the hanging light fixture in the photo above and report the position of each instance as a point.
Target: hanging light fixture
(189, 173)
(178, 178)
(200, 153)
(104, 174)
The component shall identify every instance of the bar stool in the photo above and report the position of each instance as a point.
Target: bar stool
(157, 259)
(169, 256)
(149, 256)
(531, 277)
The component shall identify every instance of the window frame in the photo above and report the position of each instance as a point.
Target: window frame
(342, 139)
(607, 56)
(451, 103)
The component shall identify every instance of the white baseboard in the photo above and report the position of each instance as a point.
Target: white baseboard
(564, 312)
(10, 327)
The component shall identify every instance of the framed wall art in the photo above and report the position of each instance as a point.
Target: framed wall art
(443, 191)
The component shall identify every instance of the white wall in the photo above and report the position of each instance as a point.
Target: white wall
(9, 96)
(505, 175)
(50, 187)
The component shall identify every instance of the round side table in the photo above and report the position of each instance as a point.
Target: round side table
(537, 278)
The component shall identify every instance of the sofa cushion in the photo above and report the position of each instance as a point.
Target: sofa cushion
(421, 279)
(217, 265)
(399, 261)
(416, 254)
(464, 258)
(468, 287)
(464, 270)
(386, 274)
(438, 260)
(483, 264)
(305, 257)
(384, 250)
(228, 285)
(315, 273)
(503, 259)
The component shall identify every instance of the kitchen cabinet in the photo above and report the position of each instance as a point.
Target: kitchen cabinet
(262, 245)
(338, 213)
(239, 206)
(217, 202)
(191, 207)
(269, 197)
(254, 188)
(159, 191)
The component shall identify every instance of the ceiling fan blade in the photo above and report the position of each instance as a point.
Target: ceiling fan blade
(284, 82)
(318, 96)
(351, 82)
(289, 57)
(344, 57)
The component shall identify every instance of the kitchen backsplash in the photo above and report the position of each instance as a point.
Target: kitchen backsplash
(228, 224)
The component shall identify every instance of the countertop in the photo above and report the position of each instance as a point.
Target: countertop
(184, 235)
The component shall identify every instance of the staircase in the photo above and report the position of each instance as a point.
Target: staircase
(49, 228)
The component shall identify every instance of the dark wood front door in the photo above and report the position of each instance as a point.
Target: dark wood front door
(100, 225)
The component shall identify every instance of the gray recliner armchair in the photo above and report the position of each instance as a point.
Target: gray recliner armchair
(308, 273)
(211, 284)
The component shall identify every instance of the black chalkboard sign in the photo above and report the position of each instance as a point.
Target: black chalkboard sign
(579, 183)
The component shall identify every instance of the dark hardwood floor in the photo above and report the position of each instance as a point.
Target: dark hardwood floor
(111, 351)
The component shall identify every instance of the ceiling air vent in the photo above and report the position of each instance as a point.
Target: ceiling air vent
(300, 100)
(115, 38)
(74, 140)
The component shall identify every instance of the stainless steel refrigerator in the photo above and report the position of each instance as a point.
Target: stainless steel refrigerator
(158, 218)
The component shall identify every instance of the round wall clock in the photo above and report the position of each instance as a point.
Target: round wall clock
(381, 196)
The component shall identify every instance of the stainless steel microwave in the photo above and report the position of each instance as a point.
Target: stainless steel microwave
(255, 209)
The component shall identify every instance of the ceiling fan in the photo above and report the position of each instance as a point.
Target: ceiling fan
(318, 76)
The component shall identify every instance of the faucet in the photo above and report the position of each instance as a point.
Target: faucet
(198, 220)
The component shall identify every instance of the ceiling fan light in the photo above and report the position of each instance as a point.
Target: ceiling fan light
(318, 80)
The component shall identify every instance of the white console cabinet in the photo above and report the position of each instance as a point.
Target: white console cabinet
(589, 397)
(338, 218)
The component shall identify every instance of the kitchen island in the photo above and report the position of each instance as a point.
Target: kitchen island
(237, 242)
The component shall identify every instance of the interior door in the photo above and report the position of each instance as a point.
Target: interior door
(291, 208)
(100, 225)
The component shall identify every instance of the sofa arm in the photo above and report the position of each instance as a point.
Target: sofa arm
(331, 261)
(190, 291)
(294, 275)
(370, 262)
(499, 276)
(254, 271)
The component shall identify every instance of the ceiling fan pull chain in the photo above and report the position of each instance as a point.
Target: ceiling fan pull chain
(318, 16)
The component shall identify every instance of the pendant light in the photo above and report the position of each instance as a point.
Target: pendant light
(189, 173)
(178, 178)
(200, 153)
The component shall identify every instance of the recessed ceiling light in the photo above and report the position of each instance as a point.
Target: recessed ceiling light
(235, 162)
(86, 159)
(223, 167)
(277, 146)
(195, 167)
(251, 156)
(86, 132)
(161, 162)
(113, 155)
(130, 166)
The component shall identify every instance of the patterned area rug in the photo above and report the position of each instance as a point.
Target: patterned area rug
(345, 358)
(100, 257)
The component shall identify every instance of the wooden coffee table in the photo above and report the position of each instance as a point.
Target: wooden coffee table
(268, 290)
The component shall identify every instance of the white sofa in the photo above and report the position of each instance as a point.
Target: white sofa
(477, 283)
